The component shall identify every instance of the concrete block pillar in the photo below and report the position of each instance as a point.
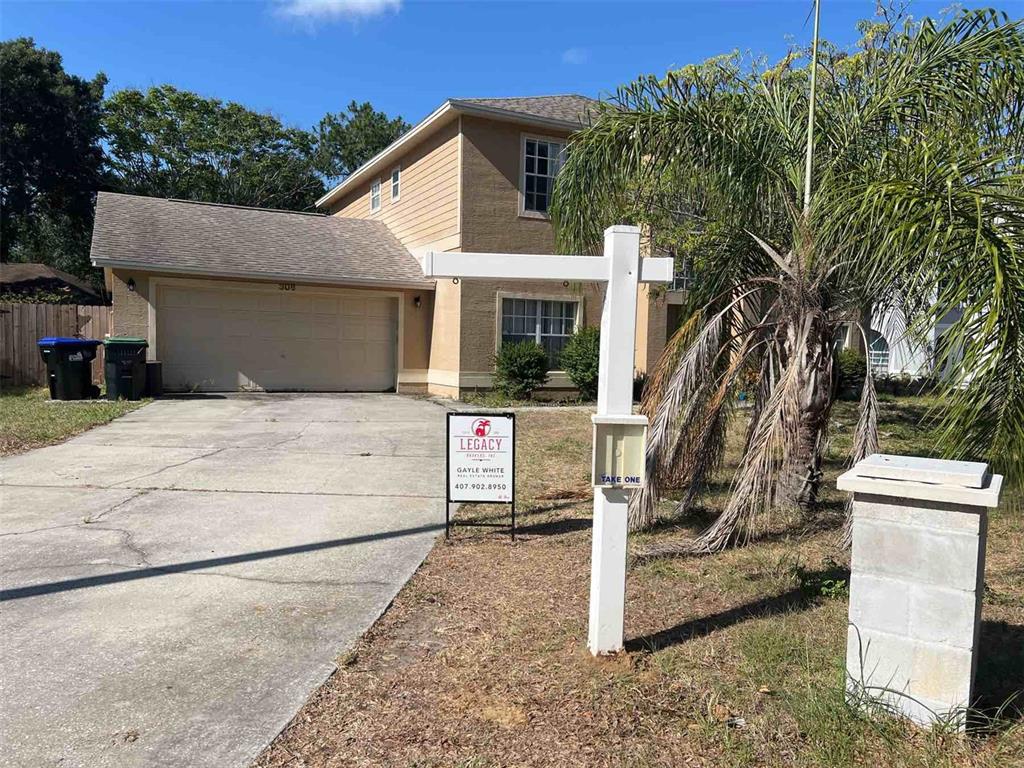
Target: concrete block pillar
(917, 578)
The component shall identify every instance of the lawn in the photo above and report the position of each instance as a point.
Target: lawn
(734, 659)
(29, 419)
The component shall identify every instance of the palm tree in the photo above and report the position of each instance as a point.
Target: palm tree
(910, 196)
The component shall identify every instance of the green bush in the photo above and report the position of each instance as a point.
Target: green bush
(580, 359)
(520, 368)
(639, 385)
(852, 370)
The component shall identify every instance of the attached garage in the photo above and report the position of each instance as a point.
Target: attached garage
(250, 299)
(212, 338)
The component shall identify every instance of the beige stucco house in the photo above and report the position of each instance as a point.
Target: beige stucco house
(240, 298)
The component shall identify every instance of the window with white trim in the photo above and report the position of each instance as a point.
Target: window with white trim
(375, 195)
(878, 353)
(541, 162)
(549, 323)
(396, 183)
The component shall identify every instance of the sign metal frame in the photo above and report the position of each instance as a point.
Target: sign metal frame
(448, 500)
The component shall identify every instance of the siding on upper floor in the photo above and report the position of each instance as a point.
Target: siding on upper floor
(460, 191)
(427, 211)
(491, 169)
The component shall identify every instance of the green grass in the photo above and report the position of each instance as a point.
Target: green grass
(29, 419)
(492, 398)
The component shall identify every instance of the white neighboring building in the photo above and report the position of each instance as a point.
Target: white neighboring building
(893, 351)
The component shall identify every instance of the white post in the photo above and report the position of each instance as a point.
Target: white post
(614, 398)
(622, 269)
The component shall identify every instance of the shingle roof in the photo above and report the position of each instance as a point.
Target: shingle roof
(570, 107)
(25, 275)
(204, 238)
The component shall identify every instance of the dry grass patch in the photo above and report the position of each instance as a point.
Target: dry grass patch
(732, 660)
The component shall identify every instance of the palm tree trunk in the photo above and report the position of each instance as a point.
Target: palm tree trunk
(804, 471)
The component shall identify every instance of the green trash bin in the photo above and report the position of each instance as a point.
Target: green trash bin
(69, 367)
(124, 366)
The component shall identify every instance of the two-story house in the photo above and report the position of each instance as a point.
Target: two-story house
(241, 298)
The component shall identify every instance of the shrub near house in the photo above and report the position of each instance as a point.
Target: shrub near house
(852, 370)
(520, 368)
(580, 359)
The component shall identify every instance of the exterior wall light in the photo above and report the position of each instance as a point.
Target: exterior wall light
(417, 301)
(131, 285)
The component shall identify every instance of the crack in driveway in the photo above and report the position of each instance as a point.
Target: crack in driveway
(169, 466)
(282, 582)
(39, 530)
(85, 521)
(68, 566)
(170, 570)
(96, 518)
(151, 488)
(291, 439)
(291, 577)
(128, 542)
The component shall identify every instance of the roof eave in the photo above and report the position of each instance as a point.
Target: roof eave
(510, 116)
(427, 125)
(420, 129)
(290, 277)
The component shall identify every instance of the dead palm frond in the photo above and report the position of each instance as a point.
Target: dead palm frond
(865, 443)
(917, 182)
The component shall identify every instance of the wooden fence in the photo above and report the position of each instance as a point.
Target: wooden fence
(22, 325)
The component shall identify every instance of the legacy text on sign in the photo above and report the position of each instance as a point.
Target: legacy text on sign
(481, 463)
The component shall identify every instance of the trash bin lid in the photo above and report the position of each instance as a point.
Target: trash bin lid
(68, 342)
(133, 340)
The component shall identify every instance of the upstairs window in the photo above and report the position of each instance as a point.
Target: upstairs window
(542, 160)
(549, 323)
(396, 183)
(375, 195)
(682, 280)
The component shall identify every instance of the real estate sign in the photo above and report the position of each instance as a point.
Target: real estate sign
(620, 436)
(481, 457)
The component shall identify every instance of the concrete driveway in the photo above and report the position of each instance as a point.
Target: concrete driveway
(176, 584)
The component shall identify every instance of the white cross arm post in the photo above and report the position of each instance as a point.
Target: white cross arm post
(514, 266)
(622, 268)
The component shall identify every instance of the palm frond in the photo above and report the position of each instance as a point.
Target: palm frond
(917, 205)
(865, 443)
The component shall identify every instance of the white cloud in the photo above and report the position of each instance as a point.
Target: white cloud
(331, 10)
(575, 56)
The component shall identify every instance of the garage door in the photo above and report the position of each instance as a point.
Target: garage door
(223, 339)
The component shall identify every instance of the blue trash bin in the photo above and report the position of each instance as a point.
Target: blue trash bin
(69, 366)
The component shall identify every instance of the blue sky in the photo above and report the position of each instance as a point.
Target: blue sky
(301, 58)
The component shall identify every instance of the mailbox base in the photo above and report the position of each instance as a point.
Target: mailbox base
(916, 582)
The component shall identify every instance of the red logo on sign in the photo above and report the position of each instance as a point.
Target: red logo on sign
(482, 427)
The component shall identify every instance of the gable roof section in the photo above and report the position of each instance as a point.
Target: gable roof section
(567, 112)
(568, 108)
(182, 236)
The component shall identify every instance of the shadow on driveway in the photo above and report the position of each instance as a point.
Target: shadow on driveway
(18, 593)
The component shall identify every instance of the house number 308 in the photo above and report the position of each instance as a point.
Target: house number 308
(286, 286)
